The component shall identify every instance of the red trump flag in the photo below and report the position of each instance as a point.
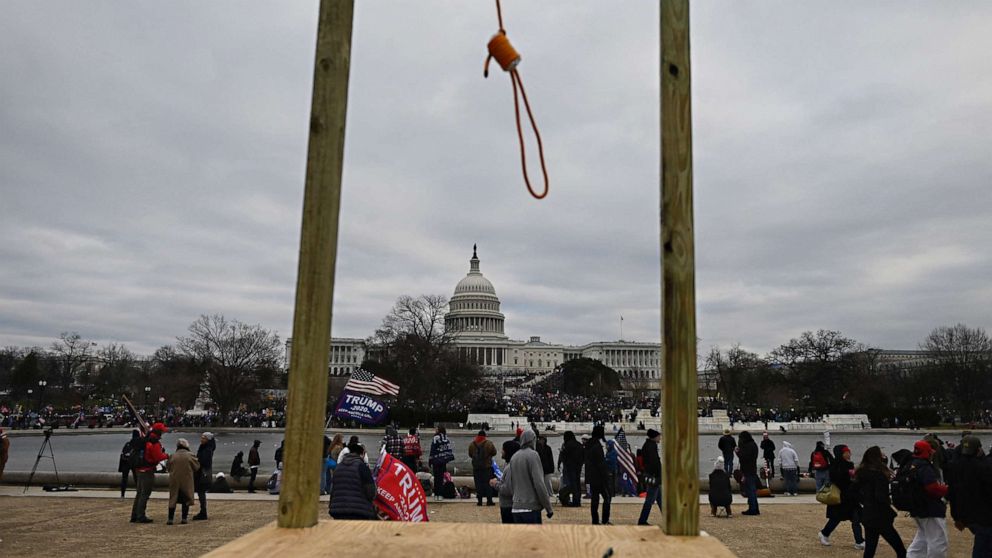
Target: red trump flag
(399, 495)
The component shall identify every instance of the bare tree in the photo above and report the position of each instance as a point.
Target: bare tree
(421, 317)
(823, 367)
(71, 353)
(118, 368)
(239, 358)
(964, 357)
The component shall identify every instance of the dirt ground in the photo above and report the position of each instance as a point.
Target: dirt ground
(81, 527)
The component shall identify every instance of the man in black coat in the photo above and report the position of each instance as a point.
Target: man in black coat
(570, 460)
(768, 452)
(970, 493)
(652, 475)
(747, 452)
(205, 476)
(727, 446)
(597, 475)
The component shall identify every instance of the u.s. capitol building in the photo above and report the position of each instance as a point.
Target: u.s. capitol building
(477, 329)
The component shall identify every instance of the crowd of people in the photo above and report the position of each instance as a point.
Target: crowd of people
(574, 408)
(922, 482)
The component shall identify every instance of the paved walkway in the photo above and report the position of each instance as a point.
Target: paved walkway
(37, 492)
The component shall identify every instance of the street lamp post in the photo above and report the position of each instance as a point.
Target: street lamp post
(148, 391)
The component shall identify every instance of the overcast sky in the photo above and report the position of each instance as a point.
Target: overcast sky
(152, 162)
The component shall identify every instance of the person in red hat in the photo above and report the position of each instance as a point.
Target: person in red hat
(152, 455)
(930, 514)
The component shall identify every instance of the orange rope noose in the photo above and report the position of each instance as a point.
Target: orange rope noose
(508, 59)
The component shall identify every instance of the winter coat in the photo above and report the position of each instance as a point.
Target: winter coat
(547, 459)
(747, 452)
(787, 457)
(238, 466)
(124, 463)
(826, 457)
(727, 444)
(488, 450)
(970, 490)
(872, 489)
(652, 462)
(205, 455)
(596, 471)
(840, 476)
(572, 454)
(182, 466)
(933, 490)
(768, 449)
(154, 454)
(353, 490)
(441, 452)
(253, 458)
(720, 492)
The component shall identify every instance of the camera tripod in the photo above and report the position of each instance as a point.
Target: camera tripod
(47, 444)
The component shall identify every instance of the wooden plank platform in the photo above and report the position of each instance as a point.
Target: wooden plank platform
(390, 538)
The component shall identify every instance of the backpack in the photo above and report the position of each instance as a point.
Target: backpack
(480, 460)
(137, 456)
(819, 462)
(411, 446)
(905, 489)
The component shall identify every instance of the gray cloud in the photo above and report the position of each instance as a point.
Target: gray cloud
(152, 159)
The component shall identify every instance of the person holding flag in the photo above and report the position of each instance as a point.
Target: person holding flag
(652, 475)
(628, 469)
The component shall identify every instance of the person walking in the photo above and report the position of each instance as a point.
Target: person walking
(720, 495)
(412, 450)
(768, 452)
(440, 456)
(353, 490)
(570, 460)
(547, 462)
(523, 482)
(819, 465)
(510, 447)
(872, 479)
(727, 445)
(747, 454)
(278, 454)
(651, 476)
(597, 475)
(124, 462)
(144, 473)
(849, 508)
(205, 456)
(254, 461)
(930, 512)
(481, 451)
(182, 467)
(970, 494)
(788, 462)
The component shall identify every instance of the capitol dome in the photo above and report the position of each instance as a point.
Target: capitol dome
(474, 308)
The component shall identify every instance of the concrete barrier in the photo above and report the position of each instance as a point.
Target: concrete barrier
(109, 480)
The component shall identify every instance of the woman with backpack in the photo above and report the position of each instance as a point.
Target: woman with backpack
(441, 455)
(819, 465)
(849, 508)
(872, 483)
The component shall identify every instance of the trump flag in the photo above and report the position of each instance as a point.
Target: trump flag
(399, 495)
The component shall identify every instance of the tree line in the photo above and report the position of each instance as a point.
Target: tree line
(825, 371)
(227, 360)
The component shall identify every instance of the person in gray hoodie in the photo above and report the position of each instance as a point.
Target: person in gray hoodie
(523, 481)
(788, 462)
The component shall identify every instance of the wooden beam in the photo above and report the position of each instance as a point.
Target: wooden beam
(299, 495)
(441, 540)
(680, 444)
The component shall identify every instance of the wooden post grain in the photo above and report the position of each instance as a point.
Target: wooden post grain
(680, 471)
(300, 491)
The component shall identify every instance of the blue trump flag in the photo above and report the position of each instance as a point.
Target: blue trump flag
(363, 408)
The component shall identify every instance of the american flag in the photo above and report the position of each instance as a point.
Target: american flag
(364, 381)
(628, 472)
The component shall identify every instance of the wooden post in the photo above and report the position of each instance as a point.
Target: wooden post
(680, 471)
(300, 492)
